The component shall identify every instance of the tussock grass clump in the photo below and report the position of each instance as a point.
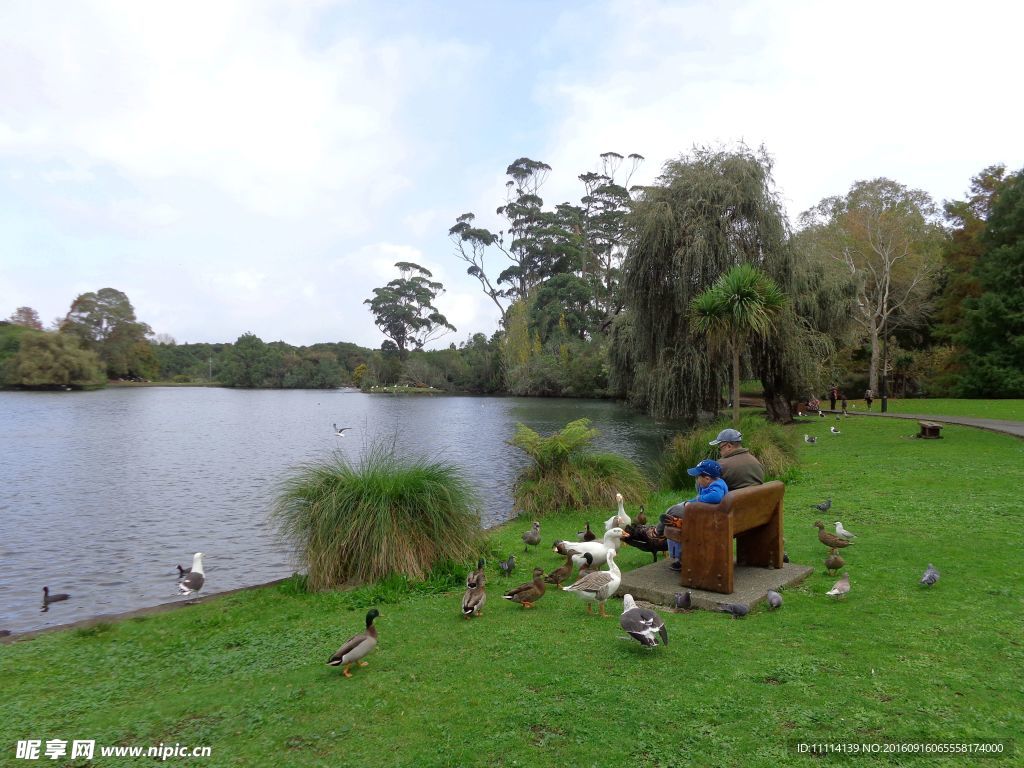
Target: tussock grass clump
(358, 523)
(565, 474)
(770, 443)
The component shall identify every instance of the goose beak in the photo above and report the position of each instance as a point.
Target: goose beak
(625, 534)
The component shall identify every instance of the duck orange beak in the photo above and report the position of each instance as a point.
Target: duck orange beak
(625, 534)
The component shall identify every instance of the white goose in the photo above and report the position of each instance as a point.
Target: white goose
(598, 550)
(598, 586)
(620, 519)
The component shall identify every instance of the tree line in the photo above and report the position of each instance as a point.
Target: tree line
(620, 294)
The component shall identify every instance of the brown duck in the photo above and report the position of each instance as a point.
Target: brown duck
(527, 594)
(641, 516)
(830, 539)
(833, 563)
(563, 572)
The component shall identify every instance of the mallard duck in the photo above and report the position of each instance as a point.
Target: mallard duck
(183, 572)
(598, 549)
(641, 624)
(587, 566)
(195, 578)
(563, 572)
(841, 587)
(930, 576)
(598, 586)
(532, 536)
(586, 534)
(646, 537)
(833, 563)
(641, 516)
(356, 647)
(530, 592)
(620, 519)
(830, 539)
(475, 597)
(48, 598)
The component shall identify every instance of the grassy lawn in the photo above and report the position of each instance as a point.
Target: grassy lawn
(552, 686)
(979, 409)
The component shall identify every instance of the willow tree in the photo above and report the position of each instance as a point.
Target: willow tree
(742, 303)
(708, 212)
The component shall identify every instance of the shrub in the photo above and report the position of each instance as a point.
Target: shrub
(770, 443)
(565, 474)
(383, 516)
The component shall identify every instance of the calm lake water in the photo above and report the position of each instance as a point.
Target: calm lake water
(102, 493)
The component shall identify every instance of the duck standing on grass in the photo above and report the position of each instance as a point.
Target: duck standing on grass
(562, 572)
(598, 586)
(529, 593)
(356, 647)
(532, 536)
(475, 597)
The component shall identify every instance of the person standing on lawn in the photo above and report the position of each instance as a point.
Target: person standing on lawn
(833, 395)
(868, 397)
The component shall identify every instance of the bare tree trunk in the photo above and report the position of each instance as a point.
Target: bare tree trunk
(876, 354)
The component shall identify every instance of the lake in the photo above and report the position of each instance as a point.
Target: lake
(103, 493)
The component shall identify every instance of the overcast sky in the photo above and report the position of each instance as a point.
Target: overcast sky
(260, 166)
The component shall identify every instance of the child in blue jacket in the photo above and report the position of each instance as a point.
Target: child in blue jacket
(711, 489)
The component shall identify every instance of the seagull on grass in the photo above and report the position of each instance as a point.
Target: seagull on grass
(840, 531)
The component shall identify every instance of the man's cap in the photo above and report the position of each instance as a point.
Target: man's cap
(727, 436)
(708, 467)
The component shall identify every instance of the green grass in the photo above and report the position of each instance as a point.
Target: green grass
(552, 686)
(1012, 410)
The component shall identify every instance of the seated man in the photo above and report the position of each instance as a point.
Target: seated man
(740, 467)
(711, 489)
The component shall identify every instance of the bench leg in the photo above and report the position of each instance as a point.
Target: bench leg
(706, 562)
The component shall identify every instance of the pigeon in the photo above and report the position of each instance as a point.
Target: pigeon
(193, 581)
(340, 431)
(774, 599)
(840, 531)
(834, 431)
(48, 598)
(810, 440)
(828, 539)
(841, 587)
(586, 534)
(737, 610)
(507, 565)
(641, 624)
(532, 536)
(825, 506)
(833, 563)
(930, 576)
(683, 601)
(356, 647)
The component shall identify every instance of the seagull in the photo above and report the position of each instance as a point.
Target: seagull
(641, 624)
(834, 431)
(930, 576)
(840, 531)
(48, 598)
(841, 587)
(774, 599)
(822, 414)
(339, 431)
(825, 506)
(193, 581)
(809, 439)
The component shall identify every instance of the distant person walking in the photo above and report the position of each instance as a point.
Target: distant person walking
(868, 397)
(833, 395)
(842, 398)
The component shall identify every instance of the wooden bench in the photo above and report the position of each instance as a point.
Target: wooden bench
(752, 516)
(929, 430)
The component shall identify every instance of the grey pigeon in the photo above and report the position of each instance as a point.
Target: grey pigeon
(930, 576)
(841, 587)
(736, 609)
(532, 536)
(774, 599)
(507, 565)
(825, 506)
(683, 601)
(641, 624)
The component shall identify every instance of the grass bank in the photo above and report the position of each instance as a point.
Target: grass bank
(552, 686)
(1012, 410)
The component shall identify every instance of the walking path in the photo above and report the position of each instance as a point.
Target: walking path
(1015, 428)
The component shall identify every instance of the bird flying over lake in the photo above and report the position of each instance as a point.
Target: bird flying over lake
(810, 440)
(340, 431)
(930, 576)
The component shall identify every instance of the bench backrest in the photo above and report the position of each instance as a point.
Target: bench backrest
(752, 506)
